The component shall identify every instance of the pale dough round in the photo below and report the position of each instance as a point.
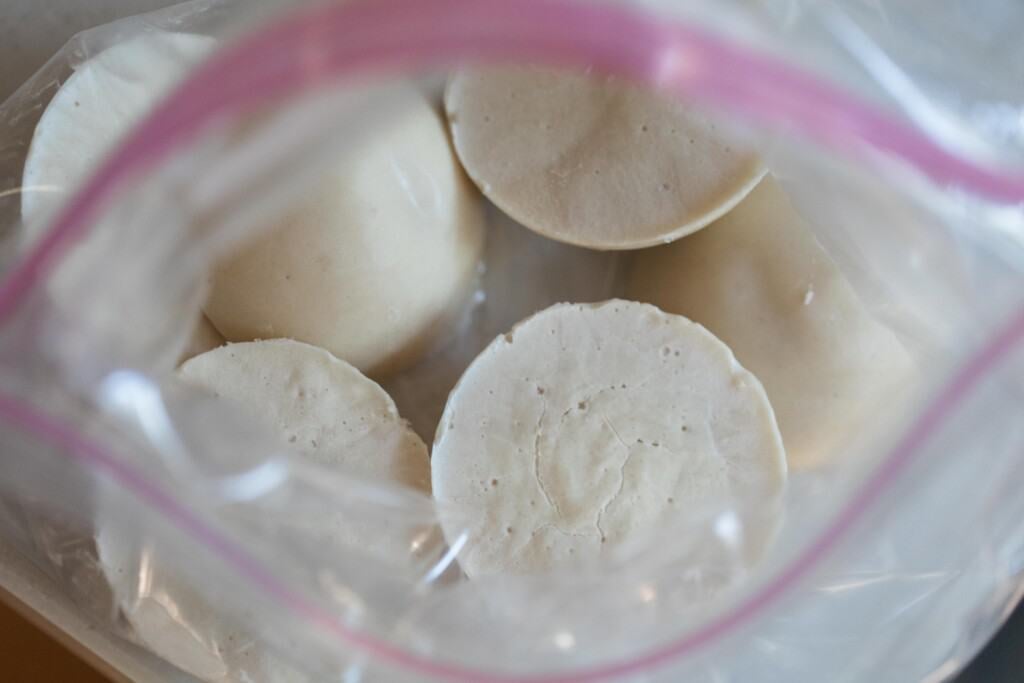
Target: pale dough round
(97, 105)
(588, 425)
(374, 262)
(93, 109)
(760, 281)
(322, 406)
(591, 160)
(327, 412)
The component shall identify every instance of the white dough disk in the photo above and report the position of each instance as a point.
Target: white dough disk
(92, 110)
(329, 413)
(98, 104)
(373, 263)
(761, 282)
(587, 425)
(593, 161)
(322, 406)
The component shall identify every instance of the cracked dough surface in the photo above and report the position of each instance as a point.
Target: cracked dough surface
(592, 161)
(588, 424)
(761, 282)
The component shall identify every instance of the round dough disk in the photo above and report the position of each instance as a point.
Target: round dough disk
(100, 102)
(373, 264)
(589, 424)
(761, 282)
(328, 412)
(593, 161)
(322, 406)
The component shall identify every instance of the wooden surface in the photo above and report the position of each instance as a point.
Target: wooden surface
(31, 656)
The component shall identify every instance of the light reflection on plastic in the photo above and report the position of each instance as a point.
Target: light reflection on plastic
(647, 593)
(353, 674)
(135, 396)
(420, 541)
(886, 578)
(675, 65)
(449, 557)
(144, 580)
(256, 482)
(728, 528)
(343, 596)
(564, 640)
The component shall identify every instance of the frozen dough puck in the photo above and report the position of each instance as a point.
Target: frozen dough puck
(587, 425)
(327, 412)
(591, 160)
(100, 102)
(323, 407)
(761, 282)
(374, 262)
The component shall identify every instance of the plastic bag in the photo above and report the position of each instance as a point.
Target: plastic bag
(894, 563)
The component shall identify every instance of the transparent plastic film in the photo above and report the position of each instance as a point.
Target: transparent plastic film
(280, 268)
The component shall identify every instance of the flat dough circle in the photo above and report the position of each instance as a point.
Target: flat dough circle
(760, 281)
(591, 160)
(375, 262)
(322, 406)
(100, 102)
(328, 412)
(589, 424)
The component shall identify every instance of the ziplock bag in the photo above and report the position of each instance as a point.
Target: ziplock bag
(893, 562)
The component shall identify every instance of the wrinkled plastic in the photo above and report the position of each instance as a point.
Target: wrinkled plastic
(894, 563)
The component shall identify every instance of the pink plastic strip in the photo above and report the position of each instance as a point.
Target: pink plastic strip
(324, 43)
